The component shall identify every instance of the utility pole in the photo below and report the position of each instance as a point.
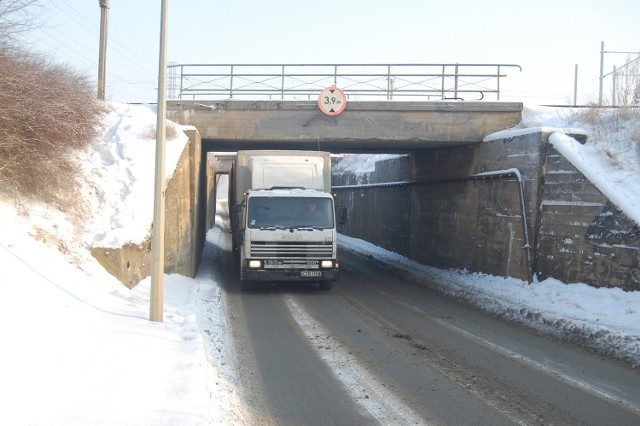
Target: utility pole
(602, 75)
(575, 86)
(157, 238)
(601, 72)
(614, 86)
(102, 61)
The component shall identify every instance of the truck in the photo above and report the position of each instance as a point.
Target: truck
(283, 218)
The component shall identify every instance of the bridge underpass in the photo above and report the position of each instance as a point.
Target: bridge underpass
(365, 127)
(413, 128)
(511, 207)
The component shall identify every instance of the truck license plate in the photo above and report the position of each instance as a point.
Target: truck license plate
(310, 273)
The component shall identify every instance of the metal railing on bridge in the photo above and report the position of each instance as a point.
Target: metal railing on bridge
(358, 81)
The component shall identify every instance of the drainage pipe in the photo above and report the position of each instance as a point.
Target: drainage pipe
(507, 173)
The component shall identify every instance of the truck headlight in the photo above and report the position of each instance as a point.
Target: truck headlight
(255, 264)
(326, 264)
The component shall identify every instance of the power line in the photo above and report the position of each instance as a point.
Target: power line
(93, 31)
(89, 22)
(66, 47)
(75, 47)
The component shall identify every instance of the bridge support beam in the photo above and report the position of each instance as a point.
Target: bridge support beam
(362, 127)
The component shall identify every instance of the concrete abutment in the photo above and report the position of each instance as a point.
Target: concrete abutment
(184, 225)
(509, 207)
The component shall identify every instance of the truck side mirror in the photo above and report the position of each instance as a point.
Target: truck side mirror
(342, 215)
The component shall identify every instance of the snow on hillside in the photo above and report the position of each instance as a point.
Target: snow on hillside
(120, 176)
(78, 347)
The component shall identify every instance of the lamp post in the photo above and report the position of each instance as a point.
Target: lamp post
(157, 238)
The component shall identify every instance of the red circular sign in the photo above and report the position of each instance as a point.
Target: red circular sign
(332, 101)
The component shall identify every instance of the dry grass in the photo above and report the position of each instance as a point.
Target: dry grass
(171, 132)
(614, 132)
(47, 113)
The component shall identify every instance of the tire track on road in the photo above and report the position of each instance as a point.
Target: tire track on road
(365, 389)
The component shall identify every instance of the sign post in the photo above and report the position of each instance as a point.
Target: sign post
(332, 101)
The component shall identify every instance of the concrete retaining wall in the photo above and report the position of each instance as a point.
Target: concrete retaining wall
(217, 165)
(476, 223)
(546, 218)
(582, 236)
(184, 234)
(379, 215)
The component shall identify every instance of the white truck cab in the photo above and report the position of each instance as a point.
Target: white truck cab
(283, 217)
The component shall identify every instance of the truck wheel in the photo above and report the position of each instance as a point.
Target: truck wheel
(326, 285)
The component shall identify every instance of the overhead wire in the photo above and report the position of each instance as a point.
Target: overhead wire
(94, 28)
(122, 58)
(70, 51)
(70, 47)
(115, 45)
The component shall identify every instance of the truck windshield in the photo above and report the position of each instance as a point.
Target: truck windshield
(290, 212)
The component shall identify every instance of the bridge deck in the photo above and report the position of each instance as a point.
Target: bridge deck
(387, 126)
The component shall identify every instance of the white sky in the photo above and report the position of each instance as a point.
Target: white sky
(547, 38)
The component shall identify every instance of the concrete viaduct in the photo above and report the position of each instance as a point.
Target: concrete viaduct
(512, 207)
(365, 127)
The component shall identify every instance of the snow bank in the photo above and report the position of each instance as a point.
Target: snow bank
(620, 186)
(120, 173)
(77, 347)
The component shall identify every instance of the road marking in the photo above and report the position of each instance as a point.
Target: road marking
(364, 388)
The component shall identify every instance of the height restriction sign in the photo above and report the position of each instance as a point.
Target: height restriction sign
(332, 101)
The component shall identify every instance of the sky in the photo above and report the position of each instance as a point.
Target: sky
(78, 345)
(546, 38)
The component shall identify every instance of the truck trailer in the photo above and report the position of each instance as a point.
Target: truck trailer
(283, 218)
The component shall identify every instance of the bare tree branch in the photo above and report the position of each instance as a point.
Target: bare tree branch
(627, 88)
(17, 17)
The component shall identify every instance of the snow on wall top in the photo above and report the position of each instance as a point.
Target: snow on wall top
(607, 159)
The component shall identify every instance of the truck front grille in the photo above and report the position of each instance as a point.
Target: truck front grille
(277, 249)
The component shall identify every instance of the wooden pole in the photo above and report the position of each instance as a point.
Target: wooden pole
(102, 55)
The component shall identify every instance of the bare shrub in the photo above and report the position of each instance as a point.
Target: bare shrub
(589, 115)
(47, 113)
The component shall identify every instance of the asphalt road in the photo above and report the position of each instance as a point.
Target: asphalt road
(381, 349)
